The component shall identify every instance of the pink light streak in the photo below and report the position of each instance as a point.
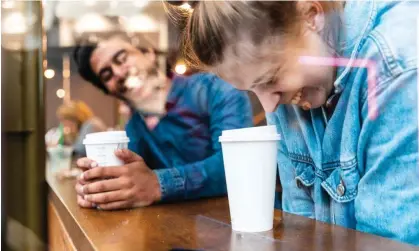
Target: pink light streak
(357, 63)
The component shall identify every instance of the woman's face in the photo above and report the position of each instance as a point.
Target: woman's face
(70, 126)
(276, 76)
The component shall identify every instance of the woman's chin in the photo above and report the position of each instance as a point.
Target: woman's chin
(317, 103)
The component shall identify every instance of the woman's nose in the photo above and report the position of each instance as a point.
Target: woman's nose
(269, 101)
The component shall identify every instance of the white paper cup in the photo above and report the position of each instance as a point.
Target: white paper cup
(250, 131)
(250, 161)
(101, 147)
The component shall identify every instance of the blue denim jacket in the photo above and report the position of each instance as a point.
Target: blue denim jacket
(183, 149)
(353, 170)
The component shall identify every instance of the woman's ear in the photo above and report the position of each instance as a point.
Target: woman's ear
(313, 14)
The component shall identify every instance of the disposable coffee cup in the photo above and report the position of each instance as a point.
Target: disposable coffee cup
(101, 147)
(250, 163)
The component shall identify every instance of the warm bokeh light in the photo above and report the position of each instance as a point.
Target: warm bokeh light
(180, 69)
(7, 4)
(140, 23)
(186, 6)
(113, 4)
(16, 23)
(60, 93)
(140, 3)
(49, 73)
(90, 2)
(93, 22)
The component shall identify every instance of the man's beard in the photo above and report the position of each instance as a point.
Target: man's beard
(155, 104)
(155, 101)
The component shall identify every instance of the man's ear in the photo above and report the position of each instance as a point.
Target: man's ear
(150, 55)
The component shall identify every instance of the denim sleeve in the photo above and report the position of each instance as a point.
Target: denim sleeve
(144, 143)
(228, 108)
(388, 193)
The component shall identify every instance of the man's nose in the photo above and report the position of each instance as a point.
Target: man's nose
(119, 72)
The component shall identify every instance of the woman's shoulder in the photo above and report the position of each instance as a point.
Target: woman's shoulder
(395, 36)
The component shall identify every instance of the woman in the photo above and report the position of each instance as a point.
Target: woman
(349, 153)
(78, 120)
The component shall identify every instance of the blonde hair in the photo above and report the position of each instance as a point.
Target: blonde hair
(215, 27)
(76, 111)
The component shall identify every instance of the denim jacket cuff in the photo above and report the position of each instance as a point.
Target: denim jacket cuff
(171, 183)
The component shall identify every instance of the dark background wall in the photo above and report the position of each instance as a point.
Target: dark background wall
(103, 106)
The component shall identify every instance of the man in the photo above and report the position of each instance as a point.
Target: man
(174, 153)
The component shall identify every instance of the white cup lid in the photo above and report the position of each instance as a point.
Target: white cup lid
(106, 137)
(258, 133)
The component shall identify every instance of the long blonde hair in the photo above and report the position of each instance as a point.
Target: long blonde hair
(217, 26)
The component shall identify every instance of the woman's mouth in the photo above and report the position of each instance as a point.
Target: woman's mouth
(297, 100)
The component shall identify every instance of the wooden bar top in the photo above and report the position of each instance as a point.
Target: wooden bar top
(197, 225)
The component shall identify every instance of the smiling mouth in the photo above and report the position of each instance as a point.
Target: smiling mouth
(297, 98)
(133, 82)
(133, 79)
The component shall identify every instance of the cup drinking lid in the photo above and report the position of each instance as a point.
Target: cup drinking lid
(259, 133)
(106, 138)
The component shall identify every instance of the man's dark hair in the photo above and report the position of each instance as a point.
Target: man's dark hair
(83, 52)
(81, 56)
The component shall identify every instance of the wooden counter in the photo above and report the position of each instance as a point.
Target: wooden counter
(201, 225)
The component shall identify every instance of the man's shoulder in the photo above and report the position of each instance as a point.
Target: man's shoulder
(134, 123)
(207, 82)
(204, 89)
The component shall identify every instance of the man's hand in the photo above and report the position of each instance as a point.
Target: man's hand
(128, 186)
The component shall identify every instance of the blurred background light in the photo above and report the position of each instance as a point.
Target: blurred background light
(7, 4)
(186, 6)
(60, 93)
(49, 73)
(140, 3)
(140, 23)
(93, 22)
(90, 2)
(113, 3)
(180, 68)
(17, 23)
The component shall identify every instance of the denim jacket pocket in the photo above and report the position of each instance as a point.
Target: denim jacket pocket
(304, 176)
(342, 183)
(304, 173)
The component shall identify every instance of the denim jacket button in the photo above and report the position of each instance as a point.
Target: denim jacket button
(340, 189)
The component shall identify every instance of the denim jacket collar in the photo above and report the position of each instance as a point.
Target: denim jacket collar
(365, 15)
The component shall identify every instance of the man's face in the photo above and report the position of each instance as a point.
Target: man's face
(127, 72)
